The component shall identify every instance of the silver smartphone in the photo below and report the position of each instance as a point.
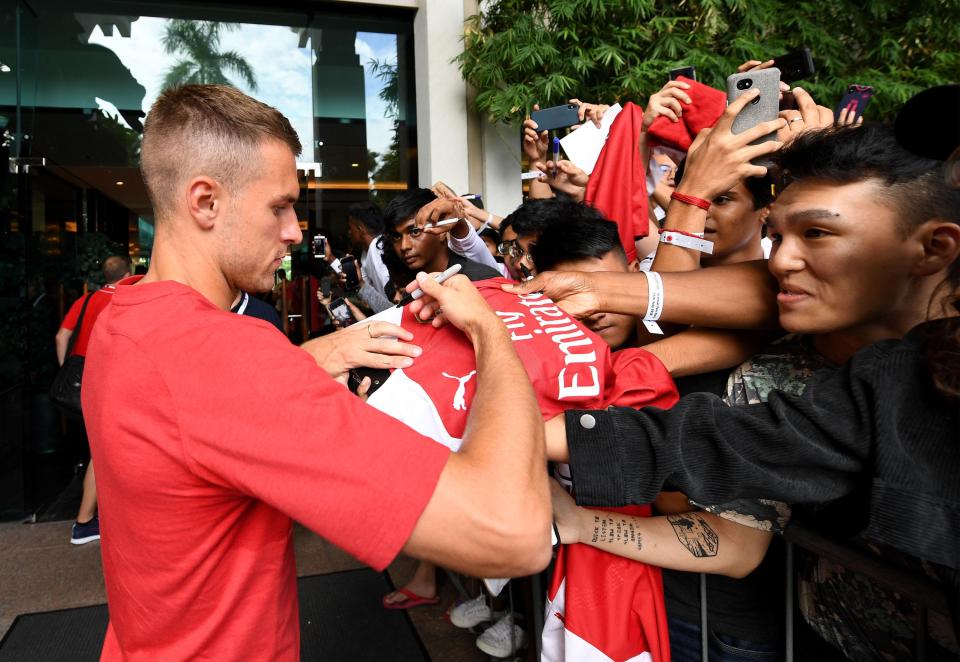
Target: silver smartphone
(764, 108)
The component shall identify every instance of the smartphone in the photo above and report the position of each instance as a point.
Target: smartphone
(348, 264)
(686, 72)
(855, 100)
(795, 65)
(764, 108)
(341, 311)
(557, 117)
(319, 246)
(326, 287)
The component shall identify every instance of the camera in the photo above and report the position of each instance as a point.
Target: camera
(319, 247)
(744, 84)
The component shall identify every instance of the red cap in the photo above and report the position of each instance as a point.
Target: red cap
(707, 107)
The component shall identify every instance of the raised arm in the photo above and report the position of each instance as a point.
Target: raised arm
(717, 160)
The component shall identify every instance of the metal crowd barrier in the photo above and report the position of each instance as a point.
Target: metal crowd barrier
(927, 594)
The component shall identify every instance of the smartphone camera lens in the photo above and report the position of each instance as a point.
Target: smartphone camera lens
(744, 84)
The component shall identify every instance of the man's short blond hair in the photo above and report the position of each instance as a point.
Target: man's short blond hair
(213, 130)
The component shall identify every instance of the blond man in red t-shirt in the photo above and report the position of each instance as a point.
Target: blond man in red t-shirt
(203, 462)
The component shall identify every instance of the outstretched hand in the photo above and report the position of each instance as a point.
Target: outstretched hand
(574, 291)
(666, 103)
(564, 176)
(455, 301)
(719, 158)
(808, 116)
(371, 345)
(534, 142)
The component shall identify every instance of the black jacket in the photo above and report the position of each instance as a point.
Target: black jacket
(875, 430)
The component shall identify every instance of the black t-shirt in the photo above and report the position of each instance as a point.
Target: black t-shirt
(751, 608)
(473, 270)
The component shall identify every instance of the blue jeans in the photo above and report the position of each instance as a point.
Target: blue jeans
(685, 646)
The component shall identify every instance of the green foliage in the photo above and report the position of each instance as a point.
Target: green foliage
(521, 52)
(199, 41)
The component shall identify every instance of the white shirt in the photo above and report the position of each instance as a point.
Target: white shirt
(374, 270)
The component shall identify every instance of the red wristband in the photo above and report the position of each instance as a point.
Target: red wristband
(688, 234)
(691, 200)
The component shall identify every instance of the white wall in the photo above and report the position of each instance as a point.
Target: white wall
(441, 95)
(501, 167)
(444, 146)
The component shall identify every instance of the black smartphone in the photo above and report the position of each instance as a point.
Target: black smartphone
(341, 311)
(855, 100)
(326, 287)
(795, 65)
(348, 264)
(557, 117)
(686, 72)
(319, 246)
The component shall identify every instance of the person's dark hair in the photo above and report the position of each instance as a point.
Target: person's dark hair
(534, 215)
(912, 185)
(399, 209)
(759, 188)
(115, 267)
(916, 187)
(570, 239)
(490, 233)
(406, 205)
(368, 215)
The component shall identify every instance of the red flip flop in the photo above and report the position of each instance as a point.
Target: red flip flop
(413, 600)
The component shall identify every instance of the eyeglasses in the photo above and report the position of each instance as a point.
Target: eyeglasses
(510, 249)
(414, 231)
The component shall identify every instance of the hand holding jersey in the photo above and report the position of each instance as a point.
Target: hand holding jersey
(362, 345)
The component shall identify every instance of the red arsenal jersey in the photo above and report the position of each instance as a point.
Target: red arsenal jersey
(600, 606)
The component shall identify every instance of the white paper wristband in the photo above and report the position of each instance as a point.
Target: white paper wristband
(654, 301)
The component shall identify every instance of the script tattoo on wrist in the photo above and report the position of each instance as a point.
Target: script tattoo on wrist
(616, 530)
(695, 534)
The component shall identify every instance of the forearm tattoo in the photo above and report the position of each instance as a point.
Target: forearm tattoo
(616, 530)
(695, 534)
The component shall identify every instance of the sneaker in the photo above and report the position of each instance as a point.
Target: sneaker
(471, 613)
(87, 532)
(503, 638)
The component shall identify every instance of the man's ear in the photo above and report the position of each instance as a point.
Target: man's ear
(206, 199)
(940, 241)
(764, 213)
(634, 266)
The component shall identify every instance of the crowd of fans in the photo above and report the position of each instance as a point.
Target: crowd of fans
(851, 224)
(770, 336)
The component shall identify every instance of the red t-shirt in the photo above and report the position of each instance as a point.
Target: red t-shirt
(98, 301)
(209, 432)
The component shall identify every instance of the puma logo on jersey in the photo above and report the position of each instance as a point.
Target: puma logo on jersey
(459, 398)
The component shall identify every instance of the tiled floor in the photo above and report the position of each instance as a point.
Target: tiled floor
(40, 571)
